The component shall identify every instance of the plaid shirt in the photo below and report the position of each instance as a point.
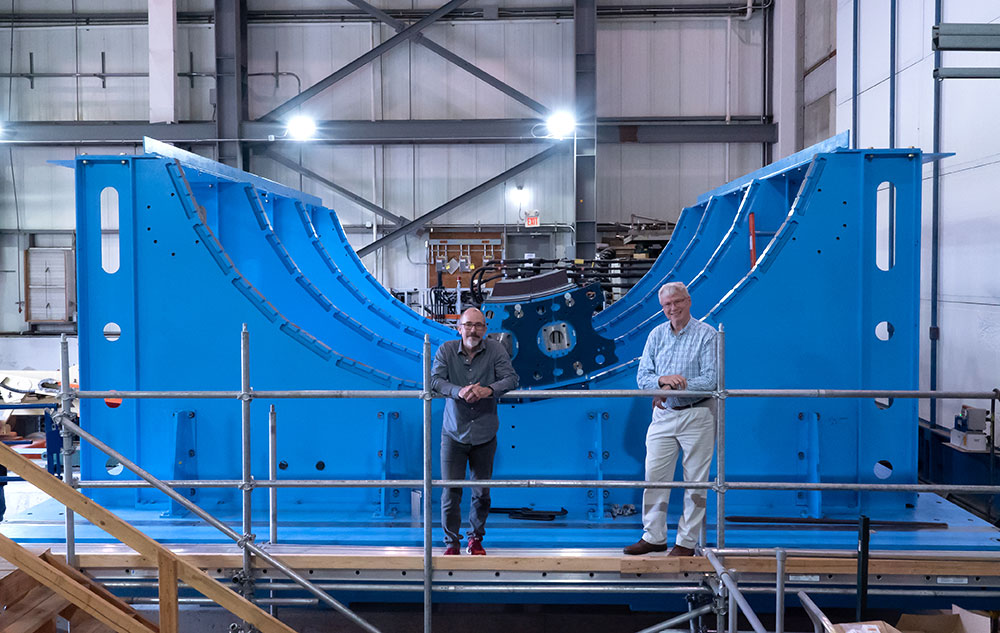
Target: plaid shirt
(690, 353)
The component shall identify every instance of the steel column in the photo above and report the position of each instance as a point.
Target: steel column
(720, 468)
(933, 330)
(427, 489)
(585, 138)
(231, 106)
(247, 588)
(781, 557)
(272, 473)
(855, 50)
(359, 62)
(65, 412)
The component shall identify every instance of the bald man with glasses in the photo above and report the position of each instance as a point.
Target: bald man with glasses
(472, 373)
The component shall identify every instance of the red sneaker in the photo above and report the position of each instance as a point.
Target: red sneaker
(452, 550)
(476, 547)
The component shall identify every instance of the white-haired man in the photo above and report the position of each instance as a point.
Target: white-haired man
(680, 354)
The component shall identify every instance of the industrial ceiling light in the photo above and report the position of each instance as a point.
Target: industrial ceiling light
(519, 196)
(301, 128)
(561, 124)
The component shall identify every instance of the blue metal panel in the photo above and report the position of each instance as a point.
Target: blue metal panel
(204, 250)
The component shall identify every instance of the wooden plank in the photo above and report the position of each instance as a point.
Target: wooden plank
(33, 612)
(35, 601)
(168, 594)
(69, 588)
(138, 541)
(96, 587)
(15, 586)
(47, 627)
(81, 622)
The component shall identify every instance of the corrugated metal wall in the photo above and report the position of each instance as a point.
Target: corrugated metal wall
(646, 68)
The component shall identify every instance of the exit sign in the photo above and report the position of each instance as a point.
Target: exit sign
(530, 221)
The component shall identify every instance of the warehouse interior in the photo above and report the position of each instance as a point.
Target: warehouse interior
(252, 221)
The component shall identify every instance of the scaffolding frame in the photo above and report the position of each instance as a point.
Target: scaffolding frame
(728, 598)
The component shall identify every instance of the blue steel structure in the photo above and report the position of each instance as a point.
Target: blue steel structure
(204, 248)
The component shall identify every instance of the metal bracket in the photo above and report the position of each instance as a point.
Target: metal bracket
(242, 543)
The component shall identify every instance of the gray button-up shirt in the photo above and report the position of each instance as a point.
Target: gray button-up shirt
(454, 368)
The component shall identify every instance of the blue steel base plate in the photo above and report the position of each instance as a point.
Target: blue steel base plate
(965, 532)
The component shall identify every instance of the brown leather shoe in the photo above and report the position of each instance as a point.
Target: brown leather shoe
(644, 547)
(680, 550)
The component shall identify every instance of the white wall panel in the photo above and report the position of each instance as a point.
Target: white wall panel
(873, 44)
(659, 180)
(312, 52)
(970, 356)
(970, 232)
(915, 105)
(50, 99)
(873, 115)
(534, 57)
(678, 68)
(44, 192)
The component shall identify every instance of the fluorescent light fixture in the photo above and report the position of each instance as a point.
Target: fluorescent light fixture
(301, 128)
(519, 196)
(561, 124)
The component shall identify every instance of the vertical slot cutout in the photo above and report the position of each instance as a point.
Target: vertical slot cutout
(110, 249)
(885, 226)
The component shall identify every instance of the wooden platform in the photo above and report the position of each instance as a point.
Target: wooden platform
(210, 557)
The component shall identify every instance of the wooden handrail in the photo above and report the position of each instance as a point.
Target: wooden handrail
(147, 547)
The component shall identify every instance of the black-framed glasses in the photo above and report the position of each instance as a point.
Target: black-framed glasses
(478, 324)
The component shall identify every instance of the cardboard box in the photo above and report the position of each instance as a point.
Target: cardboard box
(958, 621)
(971, 441)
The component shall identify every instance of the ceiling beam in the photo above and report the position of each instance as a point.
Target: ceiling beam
(647, 130)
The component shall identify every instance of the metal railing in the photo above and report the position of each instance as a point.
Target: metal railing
(726, 588)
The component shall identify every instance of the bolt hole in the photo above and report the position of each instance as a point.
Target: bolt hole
(114, 467)
(883, 469)
(320, 465)
(112, 331)
(884, 330)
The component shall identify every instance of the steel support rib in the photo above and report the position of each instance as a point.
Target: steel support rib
(468, 67)
(585, 138)
(231, 80)
(281, 159)
(462, 199)
(374, 53)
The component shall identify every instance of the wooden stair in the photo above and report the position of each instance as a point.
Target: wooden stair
(58, 587)
(44, 588)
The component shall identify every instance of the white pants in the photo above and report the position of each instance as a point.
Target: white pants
(693, 432)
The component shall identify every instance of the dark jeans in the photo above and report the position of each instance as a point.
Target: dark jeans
(454, 458)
